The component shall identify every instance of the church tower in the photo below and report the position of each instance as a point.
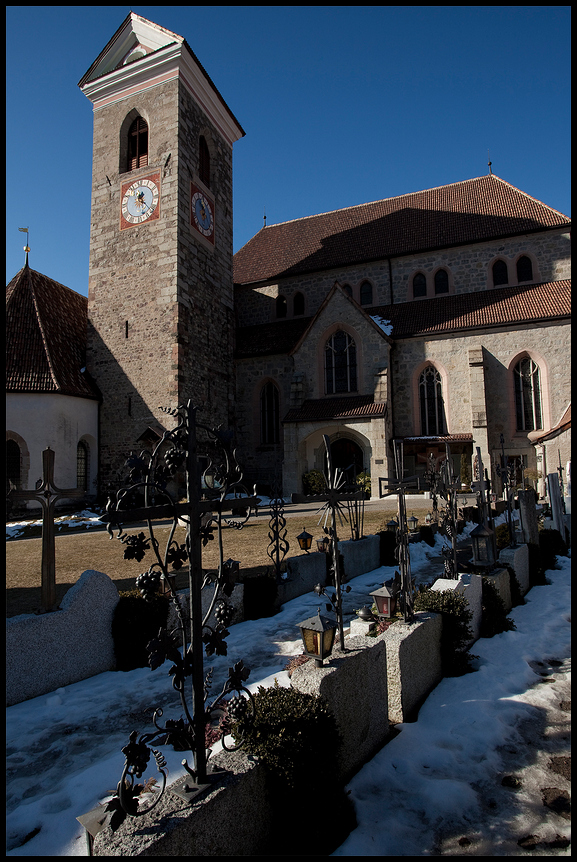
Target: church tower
(160, 301)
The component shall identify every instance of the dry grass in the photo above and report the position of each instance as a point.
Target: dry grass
(77, 552)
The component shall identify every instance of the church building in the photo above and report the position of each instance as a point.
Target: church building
(440, 316)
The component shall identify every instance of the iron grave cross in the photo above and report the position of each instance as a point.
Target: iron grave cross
(333, 497)
(400, 486)
(48, 494)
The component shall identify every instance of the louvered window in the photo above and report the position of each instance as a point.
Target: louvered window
(138, 144)
(340, 364)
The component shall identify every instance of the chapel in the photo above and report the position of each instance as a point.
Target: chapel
(437, 317)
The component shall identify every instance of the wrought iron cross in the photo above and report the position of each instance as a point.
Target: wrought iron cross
(47, 494)
(505, 476)
(448, 487)
(333, 498)
(400, 485)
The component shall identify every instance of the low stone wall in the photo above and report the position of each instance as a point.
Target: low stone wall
(413, 664)
(471, 587)
(47, 651)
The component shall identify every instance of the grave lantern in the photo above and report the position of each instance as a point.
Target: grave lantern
(384, 601)
(482, 541)
(412, 523)
(318, 634)
(305, 540)
(428, 518)
(392, 526)
(324, 544)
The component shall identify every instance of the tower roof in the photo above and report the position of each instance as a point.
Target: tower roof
(46, 337)
(475, 210)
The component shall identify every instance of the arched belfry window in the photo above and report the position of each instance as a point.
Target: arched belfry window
(269, 414)
(340, 363)
(82, 472)
(441, 281)
(500, 273)
(431, 403)
(138, 144)
(527, 395)
(419, 285)
(298, 304)
(204, 162)
(524, 269)
(366, 293)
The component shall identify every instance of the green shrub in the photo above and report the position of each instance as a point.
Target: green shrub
(364, 482)
(314, 482)
(551, 545)
(292, 734)
(456, 634)
(495, 619)
(134, 624)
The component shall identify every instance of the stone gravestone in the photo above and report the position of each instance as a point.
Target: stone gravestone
(528, 515)
(556, 503)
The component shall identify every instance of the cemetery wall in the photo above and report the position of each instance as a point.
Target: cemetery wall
(48, 651)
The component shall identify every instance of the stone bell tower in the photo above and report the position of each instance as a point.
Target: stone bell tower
(160, 301)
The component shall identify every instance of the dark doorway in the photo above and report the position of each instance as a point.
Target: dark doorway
(348, 457)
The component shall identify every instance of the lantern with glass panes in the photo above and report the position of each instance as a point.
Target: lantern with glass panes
(305, 540)
(385, 602)
(318, 634)
(483, 549)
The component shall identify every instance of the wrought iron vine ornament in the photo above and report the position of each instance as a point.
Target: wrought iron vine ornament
(214, 495)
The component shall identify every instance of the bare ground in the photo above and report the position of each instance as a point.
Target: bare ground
(77, 552)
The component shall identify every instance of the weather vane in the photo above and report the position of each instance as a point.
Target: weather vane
(26, 247)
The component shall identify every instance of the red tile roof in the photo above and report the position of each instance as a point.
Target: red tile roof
(349, 407)
(501, 306)
(45, 337)
(474, 210)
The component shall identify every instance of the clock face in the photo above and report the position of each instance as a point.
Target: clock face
(140, 201)
(202, 213)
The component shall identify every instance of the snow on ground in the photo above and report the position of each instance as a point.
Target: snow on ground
(64, 749)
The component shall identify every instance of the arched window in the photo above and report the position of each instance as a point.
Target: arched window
(269, 414)
(298, 304)
(500, 273)
(527, 395)
(13, 466)
(82, 472)
(340, 363)
(419, 285)
(524, 269)
(281, 306)
(441, 281)
(366, 294)
(431, 403)
(138, 144)
(204, 162)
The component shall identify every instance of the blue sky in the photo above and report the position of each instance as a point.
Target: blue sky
(340, 104)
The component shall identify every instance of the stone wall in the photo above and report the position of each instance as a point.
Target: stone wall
(48, 651)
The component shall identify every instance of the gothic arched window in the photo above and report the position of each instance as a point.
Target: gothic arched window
(82, 474)
(441, 281)
(419, 285)
(269, 414)
(431, 402)
(524, 269)
(366, 294)
(500, 273)
(13, 465)
(138, 144)
(204, 162)
(527, 395)
(340, 363)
